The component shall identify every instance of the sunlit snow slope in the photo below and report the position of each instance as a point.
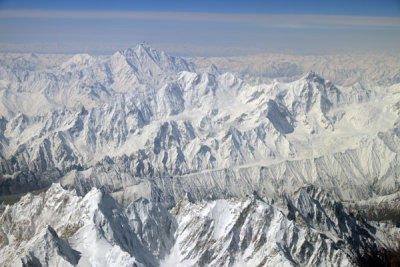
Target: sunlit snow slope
(58, 228)
(141, 119)
(193, 157)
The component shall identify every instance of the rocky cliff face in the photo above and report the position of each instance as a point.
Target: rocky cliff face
(58, 227)
(146, 128)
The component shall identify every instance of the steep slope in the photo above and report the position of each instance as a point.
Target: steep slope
(58, 227)
(48, 249)
(84, 79)
(309, 230)
(201, 129)
(94, 230)
(154, 135)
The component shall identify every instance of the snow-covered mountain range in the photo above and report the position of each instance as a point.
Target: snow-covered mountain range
(59, 228)
(218, 170)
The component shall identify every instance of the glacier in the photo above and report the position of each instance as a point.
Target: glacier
(192, 167)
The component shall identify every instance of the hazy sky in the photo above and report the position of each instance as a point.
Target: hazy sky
(200, 27)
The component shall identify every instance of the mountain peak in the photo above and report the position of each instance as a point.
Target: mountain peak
(152, 62)
(311, 76)
(144, 46)
(140, 50)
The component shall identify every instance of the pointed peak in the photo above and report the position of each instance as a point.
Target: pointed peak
(50, 230)
(213, 69)
(139, 49)
(312, 76)
(152, 62)
(143, 45)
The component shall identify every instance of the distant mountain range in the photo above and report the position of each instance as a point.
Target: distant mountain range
(193, 166)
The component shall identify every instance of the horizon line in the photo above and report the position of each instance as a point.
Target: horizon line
(272, 20)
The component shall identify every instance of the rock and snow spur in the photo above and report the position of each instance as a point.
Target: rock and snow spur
(150, 130)
(59, 228)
